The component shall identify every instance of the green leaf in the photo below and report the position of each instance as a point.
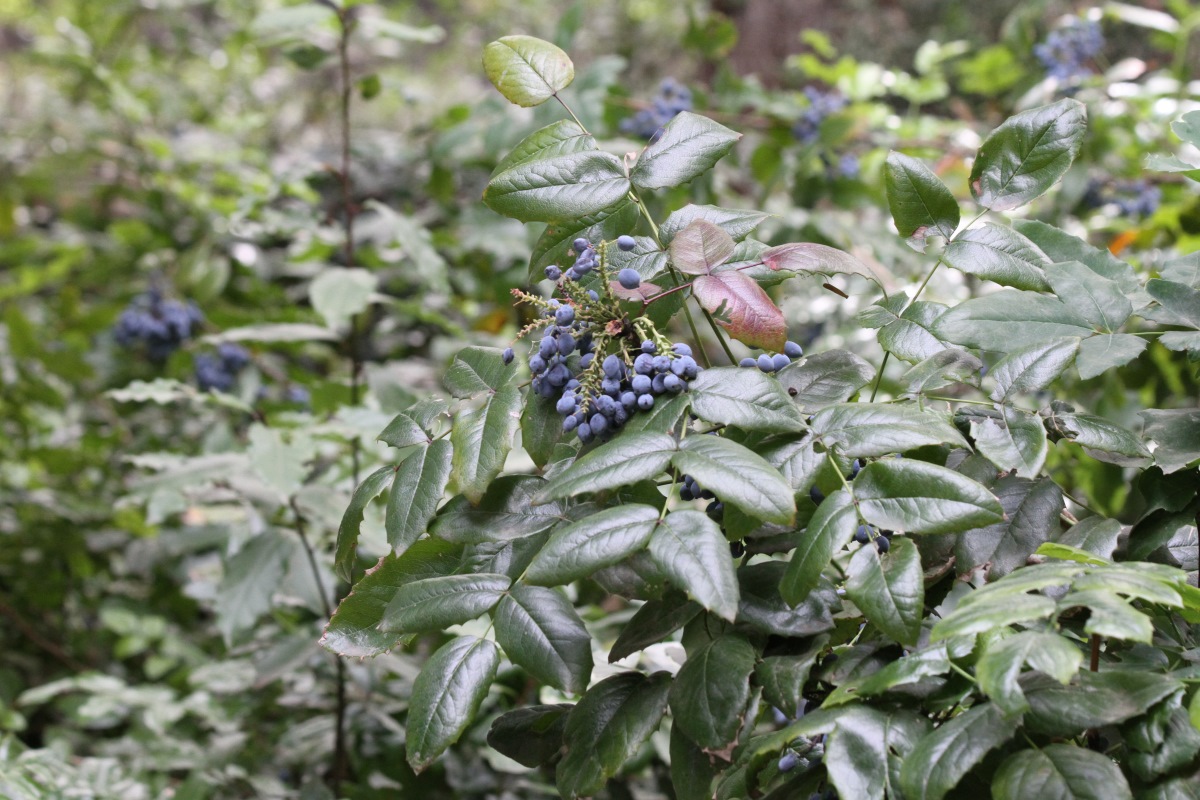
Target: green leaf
(743, 307)
(530, 736)
(737, 222)
(980, 617)
(1099, 300)
(526, 70)
(594, 542)
(416, 492)
(824, 379)
(830, 529)
(999, 254)
(692, 551)
(910, 670)
(665, 414)
(1183, 302)
(782, 678)
(710, 693)
(250, 580)
(689, 147)
(890, 589)
(541, 428)
(866, 747)
(1032, 367)
(446, 697)
(1177, 436)
(749, 399)
(1018, 444)
(699, 247)
(607, 728)
(1009, 319)
(353, 630)
(1031, 511)
(624, 461)
(482, 439)
(478, 369)
(739, 476)
(1061, 246)
(1098, 699)
(1099, 354)
(917, 497)
(1060, 771)
(557, 139)
(815, 259)
(1000, 665)
(692, 771)
(437, 603)
(505, 512)
(347, 538)
(948, 366)
(905, 332)
(652, 623)
(1094, 535)
(1102, 439)
(540, 631)
(561, 188)
(944, 757)
(337, 294)
(403, 431)
(796, 459)
(1067, 553)
(763, 607)
(864, 430)
(1110, 616)
(1027, 154)
(920, 203)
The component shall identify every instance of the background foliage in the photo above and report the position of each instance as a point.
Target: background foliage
(172, 495)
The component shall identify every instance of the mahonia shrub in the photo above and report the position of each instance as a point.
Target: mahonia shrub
(801, 588)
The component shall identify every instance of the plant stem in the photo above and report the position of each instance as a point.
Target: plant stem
(566, 107)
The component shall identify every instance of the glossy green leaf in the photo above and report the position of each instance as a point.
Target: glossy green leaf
(1062, 772)
(865, 748)
(782, 677)
(624, 461)
(540, 631)
(607, 728)
(1177, 435)
(507, 511)
(1067, 553)
(749, 399)
(692, 551)
(416, 492)
(763, 607)
(563, 137)
(910, 670)
(1095, 535)
(917, 497)
(1032, 367)
(905, 332)
(711, 691)
(889, 589)
(742, 308)
(1182, 301)
(979, 617)
(403, 431)
(1031, 510)
(1061, 246)
(942, 758)
(1110, 616)
(532, 735)
(1027, 154)
(564, 187)
(478, 369)
(347, 538)
(948, 366)
(653, 622)
(664, 416)
(692, 771)
(796, 459)
(1099, 300)
(594, 542)
(1099, 354)
(737, 475)
(446, 696)
(737, 222)
(824, 379)
(1096, 699)
(437, 603)
(1102, 439)
(1018, 442)
(541, 428)
(830, 529)
(921, 205)
(481, 439)
(526, 70)
(999, 254)
(863, 430)
(1009, 319)
(1000, 665)
(689, 147)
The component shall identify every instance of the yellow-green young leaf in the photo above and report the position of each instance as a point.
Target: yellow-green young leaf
(889, 588)
(689, 147)
(699, 247)
(921, 204)
(482, 439)
(528, 71)
(749, 399)
(738, 476)
(416, 492)
(624, 461)
(743, 308)
(692, 551)
(918, 497)
(1066, 552)
(829, 530)
(942, 758)
(999, 254)
(347, 538)
(540, 631)
(446, 697)
(1000, 665)
(437, 603)
(1061, 771)
(1194, 710)
(607, 728)
(709, 694)
(1027, 154)
(600, 540)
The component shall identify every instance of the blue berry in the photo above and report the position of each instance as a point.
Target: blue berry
(569, 424)
(672, 383)
(584, 432)
(681, 349)
(629, 278)
(613, 368)
(626, 243)
(507, 356)
(788, 762)
(747, 362)
(862, 535)
(816, 495)
(779, 361)
(649, 347)
(646, 402)
(537, 364)
(580, 244)
(566, 404)
(882, 544)
(553, 272)
(565, 315)
(766, 363)
(672, 98)
(640, 384)
(793, 350)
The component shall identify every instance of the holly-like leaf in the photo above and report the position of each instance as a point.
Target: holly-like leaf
(1099, 354)
(710, 693)
(689, 147)
(1095, 535)
(948, 366)
(905, 332)
(864, 751)
(749, 399)
(980, 617)
(475, 370)
(1027, 154)
(737, 222)
(540, 631)
(918, 497)
(1032, 367)
(1031, 511)
(1018, 442)
(564, 187)
(347, 538)
(506, 512)
(1061, 771)
(826, 378)
(1010, 319)
(530, 736)
(830, 529)
(699, 247)
(1060, 246)
(607, 728)
(526, 70)
(864, 430)
(921, 204)
(738, 476)
(1095, 700)
(744, 309)
(559, 138)
(692, 771)
(600, 540)
(944, 757)
(437, 603)
(446, 697)
(692, 551)
(652, 623)
(1000, 665)
(403, 431)
(1176, 433)
(999, 254)
(541, 428)
(1104, 440)
(1182, 301)
(1099, 300)
(416, 492)
(481, 439)
(623, 461)
(251, 577)
(889, 588)
(815, 259)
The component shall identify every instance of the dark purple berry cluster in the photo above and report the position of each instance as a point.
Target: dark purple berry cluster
(220, 371)
(820, 105)
(1065, 53)
(691, 490)
(774, 363)
(673, 97)
(157, 325)
(1128, 198)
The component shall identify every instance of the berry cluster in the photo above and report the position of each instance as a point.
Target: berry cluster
(768, 363)
(820, 105)
(1129, 198)
(157, 325)
(1066, 51)
(690, 490)
(220, 371)
(673, 97)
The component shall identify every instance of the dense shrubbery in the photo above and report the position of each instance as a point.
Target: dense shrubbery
(661, 495)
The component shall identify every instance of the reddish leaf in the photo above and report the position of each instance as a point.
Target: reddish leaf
(816, 258)
(641, 294)
(747, 312)
(699, 247)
